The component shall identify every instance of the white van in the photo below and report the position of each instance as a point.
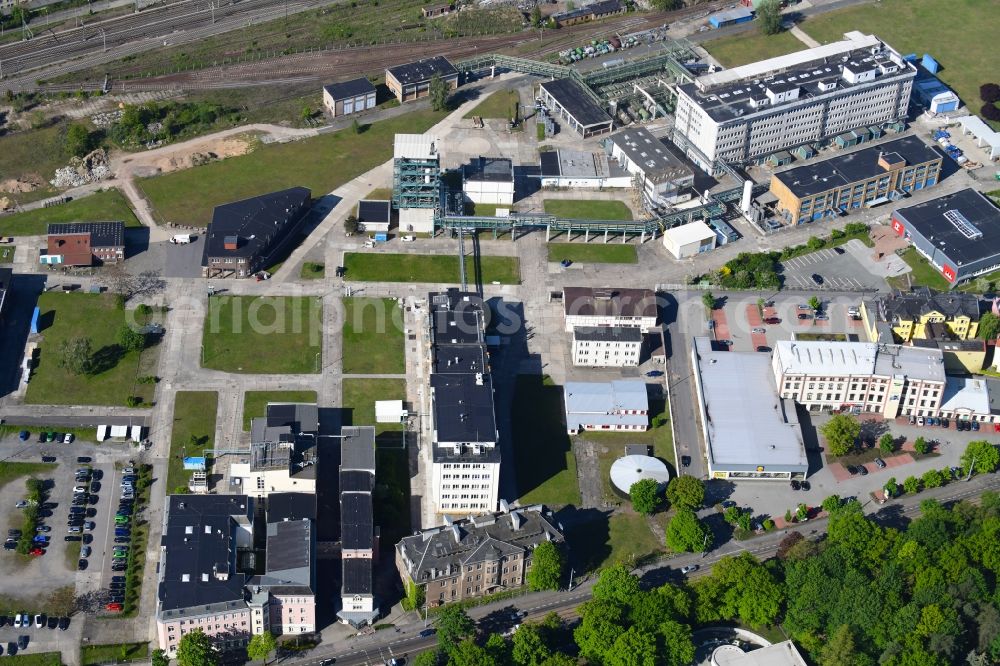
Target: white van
(181, 239)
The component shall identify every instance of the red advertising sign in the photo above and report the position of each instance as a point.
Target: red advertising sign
(948, 272)
(898, 227)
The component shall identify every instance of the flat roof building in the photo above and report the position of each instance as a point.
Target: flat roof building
(958, 233)
(749, 431)
(619, 405)
(413, 80)
(283, 455)
(689, 240)
(862, 179)
(607, 346)
(609, 306)
(489, 180)
(374, 215)
(581, 169)
(568, 100)
(244, 236)
(358, 534)
(84, 244)
(746, 113)
(663, 176)
(354, 96)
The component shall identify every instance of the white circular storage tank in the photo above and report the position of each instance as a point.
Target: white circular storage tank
(628, 469)
(726, 655)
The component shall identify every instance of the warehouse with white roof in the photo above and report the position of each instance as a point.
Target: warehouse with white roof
(689, 240)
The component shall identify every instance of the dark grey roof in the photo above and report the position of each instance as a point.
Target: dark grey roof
(549, 164)
(442, 551)
(289, 552)
(372, 210)
(608, 333)
(357, 448)
(460, 359)
(285, 421)
(493, 169)
(928, 219)
(290, 506)
(256, 223)
(457, 318)
(6, 278)
(423, 70)
(577, 103)
(357, 530)
(588, 301)
(102, 234)
(349, 89)
(650, 154)
(463, 408)
(198, 565)
(923, 300)
(357, 576)
(816, 177)
(356, 481)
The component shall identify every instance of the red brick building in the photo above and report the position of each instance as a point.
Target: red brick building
(85, 244)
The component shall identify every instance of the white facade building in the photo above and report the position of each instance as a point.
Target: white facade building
(750, 112)
(607, 346)
(489, 180)
(612, 406)
(590, 307)
(689, 240)
(581, 169)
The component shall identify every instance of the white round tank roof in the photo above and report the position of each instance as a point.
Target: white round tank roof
(725, 655)
(628, 469)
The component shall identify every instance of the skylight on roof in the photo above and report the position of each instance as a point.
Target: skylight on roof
(960, 222)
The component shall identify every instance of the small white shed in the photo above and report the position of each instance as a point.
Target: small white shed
(390, 411)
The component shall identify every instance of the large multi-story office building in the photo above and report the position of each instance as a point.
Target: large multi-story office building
(749, 112)
(466, 458)
(892, 380)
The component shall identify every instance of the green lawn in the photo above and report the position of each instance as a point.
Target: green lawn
(381, 267)
(593, 253)
(373, 337)
(380, 194)
(107, 206)
(255, 402)
(7, 254)
(263, 334)
(359, 396)
(392, 493)
(922, 274)
(33, 155)
(65, 316)
(960, 34)
(37, 659)
(194, 417)
(544, 462)
(822, 337)
(322, 164)
(751, 47)
(91, 655)
(622, 537)
(312, 271)
(500, 104)
(12, 471)
(583, 209)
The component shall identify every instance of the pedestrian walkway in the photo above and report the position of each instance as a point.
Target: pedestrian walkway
(800, 35)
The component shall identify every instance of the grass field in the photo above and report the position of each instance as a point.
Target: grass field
(593, 253)
(583, 209)
(392, 493)
(255, 402)
(312, 271)
(381, 267)
(106, 206)
(373, 337)
(622, 537)
(12, 471)
(923, 274)
(37, 659)
(91, 655)
(7, 254)
(501, 104)
(263, 334)
(960, 34)
(380, 194)
(321, 163)
(483, 209)
(751, 47)
(194, 421)
(543, 460)
(65, 316)
(359, 396)
(34, 154)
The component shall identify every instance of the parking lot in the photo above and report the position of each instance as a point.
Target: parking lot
(844, 268)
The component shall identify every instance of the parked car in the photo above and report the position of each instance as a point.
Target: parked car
(852, 470)
(817, 278)
(805, 485)
(862, 470)
(804, 306)
(880, 463)
(68, 438)
(22, 642)
(654, 373)
(761, 331)
(920, 420)
(975, 426)
(803, 315)
(689, 569)
(53, 622)
(23, 435)
(763, 348)
(64, 623)
(114, 607)
(725, 343)
(795, 485)
(39, 621)
(772, 321)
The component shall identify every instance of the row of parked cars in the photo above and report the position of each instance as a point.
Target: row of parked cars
(942, 422)
(123, 540)
(41, 621)
(48, 436)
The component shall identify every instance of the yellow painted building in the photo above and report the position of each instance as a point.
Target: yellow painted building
(921, 314)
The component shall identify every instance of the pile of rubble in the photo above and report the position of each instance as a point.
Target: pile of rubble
(107, 119)
(90, 169)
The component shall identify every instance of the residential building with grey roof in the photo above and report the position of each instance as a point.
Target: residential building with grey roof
(358, 534)
(476, 556)
(619, 405)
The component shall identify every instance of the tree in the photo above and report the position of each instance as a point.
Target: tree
(815, 303)
(801, 512)
(687, 534)
(159, 658)
(78, 140)
(536, 16)
(885, 444)
(981, 456)
(708, 300)
(196, 649)
(841, 431)
(428, 658)
(350, 225)
(600, 625)
(616, 584)
(989, 93)
(130, 339)
(932, 478)
(840, 649)
(498, 648)
(686, 491)
(831, 503)
(467, 653)
(529, 646)
(645, 495)
(261, 646)
(678, 648)
(989, 326)
(453, 626)
(633, 648)
(76, 355)
(815, 243)
(438, 91)
(891, 487)
(911, 485)
(769, 17)
(920, 445)
(547, 563)
(667, 5)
